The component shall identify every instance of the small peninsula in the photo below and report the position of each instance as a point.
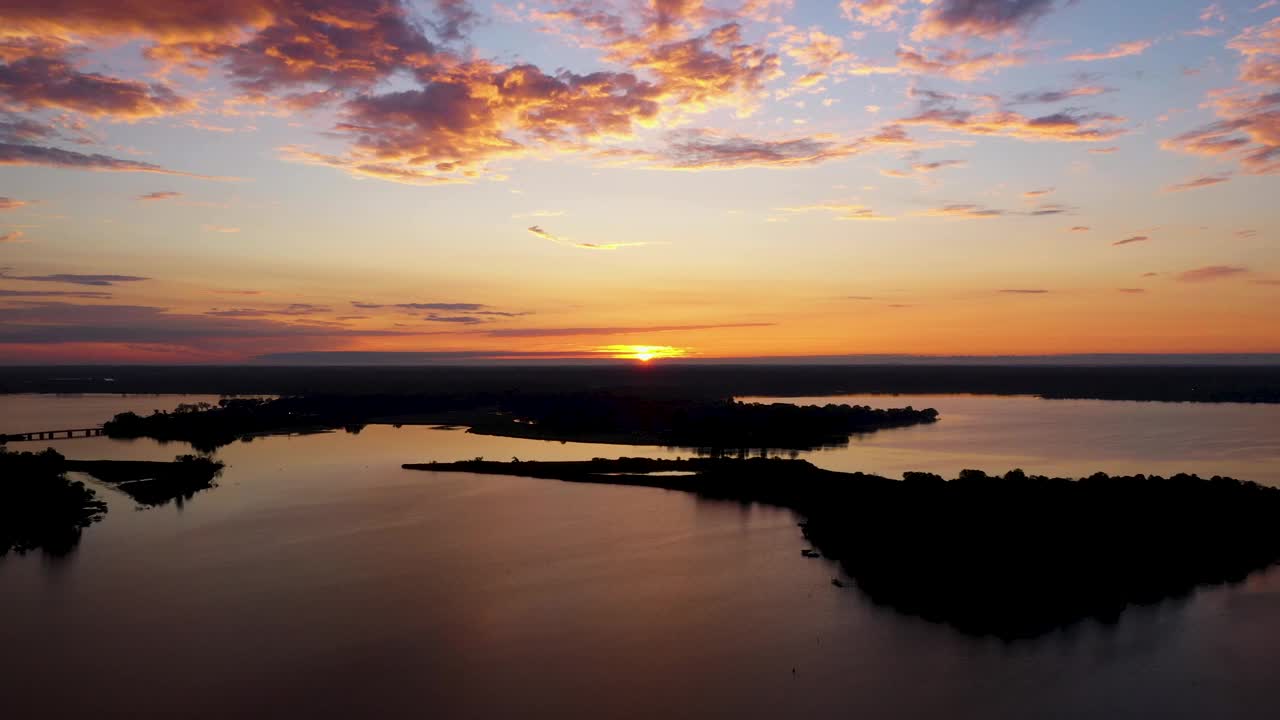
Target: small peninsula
(1012, 556)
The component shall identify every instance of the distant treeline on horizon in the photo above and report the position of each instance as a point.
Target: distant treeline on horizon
(343, 358)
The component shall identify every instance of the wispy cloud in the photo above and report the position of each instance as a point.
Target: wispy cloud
(1200, 182)
(60, 322)
(619, 330)
(290, 310)
(1132, 240)
(161, 195)
(539, 232)
(1212, 272)
(74, 279)
(1126, 49)
(455, 319)
(19, 154)
(1056, 96)
(541, 214)
(963, 211)
(923, 169)
(79, 294)
(13, 236)
(839, 210)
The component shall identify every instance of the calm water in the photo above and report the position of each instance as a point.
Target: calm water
(319, 579)
(1070, 438)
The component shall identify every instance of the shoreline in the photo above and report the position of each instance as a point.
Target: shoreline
(1014, 556)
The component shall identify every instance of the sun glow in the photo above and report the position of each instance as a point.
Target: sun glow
(643, 353)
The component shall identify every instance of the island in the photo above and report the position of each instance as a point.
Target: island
(152, 483)
(41, 508)
(718, 424)
(1012, 556)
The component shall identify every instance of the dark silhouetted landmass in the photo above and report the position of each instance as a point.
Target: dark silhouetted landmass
(714, 424)
(154, 483)
(710, 424)
(1013, 556)
(1145, 379)
(40, 507)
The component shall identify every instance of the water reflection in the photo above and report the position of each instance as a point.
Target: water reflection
(321, 580)
(1065, 438)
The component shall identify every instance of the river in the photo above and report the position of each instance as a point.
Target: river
(319, 579)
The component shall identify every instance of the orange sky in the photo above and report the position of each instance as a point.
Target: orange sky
(562, 179)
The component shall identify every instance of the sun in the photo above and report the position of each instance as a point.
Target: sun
(643, 353)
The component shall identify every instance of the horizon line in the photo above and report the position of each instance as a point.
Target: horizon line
(467, 359)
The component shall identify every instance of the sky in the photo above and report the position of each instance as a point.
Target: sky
(217, 180)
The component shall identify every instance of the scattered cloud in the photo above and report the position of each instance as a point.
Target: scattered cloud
(985, 19)
(704, 149)
(1131, 240)
(839, 210)
(541, 214)
(83, 295)
(957, 63)
(7, 203)
(964, 211)
(73, 279)
(1065, 126)
(1212, 272)
(13, 236)
(1247, 128)
(161, 195)
(1200, 182)
(622, 330)
(1057, 96)
(458, 319)
(1048, 209)
(539, 232)
(44, 82)
(21, 154)
(60, 322)
(458, 313)
(1126, 49)
(917, 169)
(879, 13)
(290, 310)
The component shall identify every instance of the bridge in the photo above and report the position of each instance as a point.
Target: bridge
(50, 435)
